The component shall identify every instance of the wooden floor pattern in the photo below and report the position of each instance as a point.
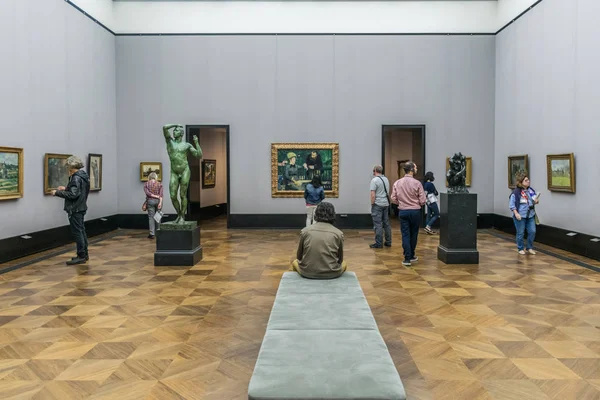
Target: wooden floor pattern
(512, 327)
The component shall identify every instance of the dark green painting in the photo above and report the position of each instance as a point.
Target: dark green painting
(294, 165)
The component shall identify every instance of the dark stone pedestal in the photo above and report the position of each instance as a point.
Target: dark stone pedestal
(178, 245)
(458, 229)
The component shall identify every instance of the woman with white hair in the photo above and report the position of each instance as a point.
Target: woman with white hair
(75, 195)
(154, 198)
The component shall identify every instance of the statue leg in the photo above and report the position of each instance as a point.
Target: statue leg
(185, 184)
(173, 188)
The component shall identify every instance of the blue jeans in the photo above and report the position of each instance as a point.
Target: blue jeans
(433, 213)
(381, 224)
(522, 225)
(409, 226)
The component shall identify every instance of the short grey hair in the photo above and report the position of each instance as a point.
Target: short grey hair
(153, 176)
(378, 169)
(74, 162)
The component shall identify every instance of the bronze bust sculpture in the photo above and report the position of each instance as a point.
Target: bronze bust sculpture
(457, 174)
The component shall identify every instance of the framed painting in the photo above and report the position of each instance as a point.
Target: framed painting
(11, 173)
(209, 174)
(560, 169)
(95, 171)
(56, 172)
(469, 170)
(293, 166)
(516, 164)
(146, 168)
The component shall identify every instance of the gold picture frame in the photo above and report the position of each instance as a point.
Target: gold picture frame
(560, 170)
(469, 162)
(11, 173)
(309, 159)
(56, 172)
(146, 167)
(516, 164)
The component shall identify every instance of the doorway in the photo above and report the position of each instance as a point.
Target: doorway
(209, 194)
(399, 144)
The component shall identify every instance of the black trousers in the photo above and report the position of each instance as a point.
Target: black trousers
(78, 232)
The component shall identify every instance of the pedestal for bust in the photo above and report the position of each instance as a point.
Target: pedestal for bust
(458, 229)
(178, 244)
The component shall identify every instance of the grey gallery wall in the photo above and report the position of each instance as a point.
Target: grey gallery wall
(58, 96)
(306, 88)
(547, 102)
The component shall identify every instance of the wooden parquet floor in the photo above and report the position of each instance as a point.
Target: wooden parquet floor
(512, 327)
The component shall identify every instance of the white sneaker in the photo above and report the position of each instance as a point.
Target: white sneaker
(522, 252)
(532, 252)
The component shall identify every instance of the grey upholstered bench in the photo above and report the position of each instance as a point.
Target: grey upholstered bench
(322, 342)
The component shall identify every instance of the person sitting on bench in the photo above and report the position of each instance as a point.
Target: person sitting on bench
(321, 248)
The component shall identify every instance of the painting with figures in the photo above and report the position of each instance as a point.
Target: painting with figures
(11, 173)
(95, 171)
(209, 173)
(293, 166)
(516, 165)
(561, 172)
(56, 172)
(146, 168)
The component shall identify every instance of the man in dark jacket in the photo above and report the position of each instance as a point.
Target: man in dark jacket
(75, 195)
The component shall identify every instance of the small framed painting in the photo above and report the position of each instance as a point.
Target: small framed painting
(560, 169)
(516, 165)
(209, 173)
(56, 172)
(146, 168)
(95, 171)
(469, 166)
(11, 173)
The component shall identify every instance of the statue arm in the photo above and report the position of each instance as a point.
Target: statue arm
(166, 132)
(195, 149)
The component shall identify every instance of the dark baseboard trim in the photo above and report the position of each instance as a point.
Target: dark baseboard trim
(298, 221)
(139, 221)
(579, 243)
(17, 247)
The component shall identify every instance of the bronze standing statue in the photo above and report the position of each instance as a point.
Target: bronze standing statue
(177, 148)
(457, 174)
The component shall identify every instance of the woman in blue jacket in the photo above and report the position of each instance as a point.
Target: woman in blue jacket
(522, 205)
(313, 194)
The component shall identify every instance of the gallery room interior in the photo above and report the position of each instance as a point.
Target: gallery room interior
(196, 129)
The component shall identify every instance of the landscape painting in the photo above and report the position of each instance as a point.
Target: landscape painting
(561, 172)
(516, 164)
(56, 172)
(293, 166)
(11, 173)
(146, 168)
(209, 174)
(95, 171)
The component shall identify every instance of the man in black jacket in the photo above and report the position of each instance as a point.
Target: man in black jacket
(75, 195)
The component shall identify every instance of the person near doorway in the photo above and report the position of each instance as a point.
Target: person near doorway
(76, 194)
(380, 211)
(408, 193)
(314, 194)
(154, 198)
(320, 253)
(431, 193)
